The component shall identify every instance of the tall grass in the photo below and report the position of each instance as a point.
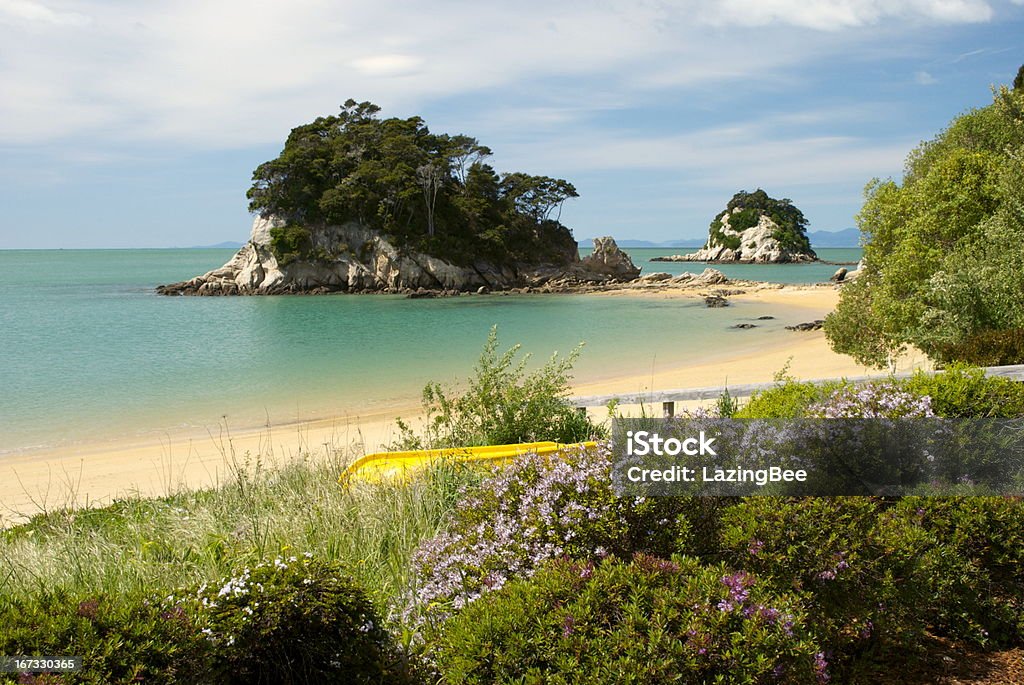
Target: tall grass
(142, 546)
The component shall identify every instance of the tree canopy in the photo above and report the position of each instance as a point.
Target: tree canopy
(944, 250)
(431, 192)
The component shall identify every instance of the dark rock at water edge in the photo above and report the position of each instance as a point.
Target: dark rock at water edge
(807, 326)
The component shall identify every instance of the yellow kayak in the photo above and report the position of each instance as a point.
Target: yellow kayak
(386, 465)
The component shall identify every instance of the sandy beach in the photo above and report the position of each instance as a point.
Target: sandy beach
(93, 474)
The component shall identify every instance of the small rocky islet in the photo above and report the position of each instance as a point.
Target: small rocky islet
(359, 204)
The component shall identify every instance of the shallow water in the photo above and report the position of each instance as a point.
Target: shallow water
(90, 352)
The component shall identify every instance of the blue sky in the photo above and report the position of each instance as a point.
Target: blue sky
(128, 124)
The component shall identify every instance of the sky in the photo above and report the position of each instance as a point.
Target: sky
(138, 124)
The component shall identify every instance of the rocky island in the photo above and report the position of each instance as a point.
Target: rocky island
(355, 203)
(754, 228)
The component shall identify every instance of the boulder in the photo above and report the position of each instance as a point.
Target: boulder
(655, 277)
(716, 301)
(743, 326)
(807, 326)
(609, 261)
(839, 276)
(711, 277)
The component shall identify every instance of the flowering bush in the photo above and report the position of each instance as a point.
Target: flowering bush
(528, 512)
(542, 508)
(875, 573)
(872, 401)
(294, 620)
(648, 621)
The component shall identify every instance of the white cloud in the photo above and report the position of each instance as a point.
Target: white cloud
(738, 155)
(388, 65)
(29, 11)
(221, 73)
(831, 15)
(923, 78)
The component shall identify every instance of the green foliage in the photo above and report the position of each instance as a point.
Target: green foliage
(962, 391)
(944, 251)
(787, 400)
(877, 574)
(431, 192)
(989, 348)
(748, 217)
(981, 599)
(726, 405)
(958, 391)
(295, 620)
(290, 243)
(647, 621)
(863, 572)
(503, 404)
(1018, 80)
(120, 640)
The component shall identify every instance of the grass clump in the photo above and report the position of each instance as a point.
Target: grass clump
(503, 404)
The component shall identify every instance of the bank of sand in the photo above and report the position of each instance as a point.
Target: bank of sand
(94, 474)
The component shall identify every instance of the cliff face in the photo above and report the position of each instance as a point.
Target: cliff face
(756, 244)
(352, 258)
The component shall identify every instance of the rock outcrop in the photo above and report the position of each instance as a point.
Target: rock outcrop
(352, 258)
(754, 228)
(757, 245)
(609, 260)
(807, 326)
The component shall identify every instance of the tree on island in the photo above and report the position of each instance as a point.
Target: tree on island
(944, 250)
(429, 192)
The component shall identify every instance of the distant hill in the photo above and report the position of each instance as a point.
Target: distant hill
(848, 237)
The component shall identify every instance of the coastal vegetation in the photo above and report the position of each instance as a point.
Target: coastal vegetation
(503, 404)
(532, 572)
(428, 192)
(745, 210)
(944, 249)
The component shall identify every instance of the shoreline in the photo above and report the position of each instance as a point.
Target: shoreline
(32, 481)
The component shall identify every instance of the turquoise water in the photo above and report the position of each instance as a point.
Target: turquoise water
(89, 352)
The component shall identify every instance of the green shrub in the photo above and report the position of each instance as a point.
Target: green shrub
(983, 537)
(962, 391)
(863, 570)
(787, 400)
(744, 219)
(648, 621)
(290, 243)
(502, 405)
(120, 640)
(295, 620)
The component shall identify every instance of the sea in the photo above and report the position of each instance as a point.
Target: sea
(89, 352)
